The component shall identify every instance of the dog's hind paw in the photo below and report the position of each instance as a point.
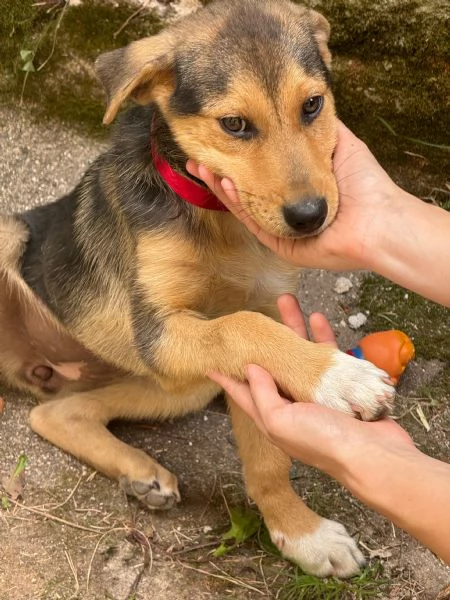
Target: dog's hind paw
(357, 387)
(157, 493)
(329, 551)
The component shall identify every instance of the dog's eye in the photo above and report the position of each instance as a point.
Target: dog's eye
(311, 108)
(234, 125)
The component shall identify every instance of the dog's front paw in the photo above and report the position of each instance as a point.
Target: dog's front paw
(357, 387)
(158, 491)
(329, 551)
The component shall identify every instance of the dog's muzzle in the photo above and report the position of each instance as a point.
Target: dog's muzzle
(306, 216)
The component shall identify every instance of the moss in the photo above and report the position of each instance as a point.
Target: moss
(66, 87)
(387, 28)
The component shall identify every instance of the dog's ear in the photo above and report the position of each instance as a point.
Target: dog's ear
(322, 30)
(133, 71)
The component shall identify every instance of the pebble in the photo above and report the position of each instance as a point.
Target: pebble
(342, 285)
(357, 321)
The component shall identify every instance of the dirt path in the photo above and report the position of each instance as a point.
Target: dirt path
(77, 536)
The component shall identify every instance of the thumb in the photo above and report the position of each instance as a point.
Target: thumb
(264, 392)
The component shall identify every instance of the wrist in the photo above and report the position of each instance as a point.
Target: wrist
(374, 473)
(378, 229)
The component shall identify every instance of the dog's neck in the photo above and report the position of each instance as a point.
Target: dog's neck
(169, 160)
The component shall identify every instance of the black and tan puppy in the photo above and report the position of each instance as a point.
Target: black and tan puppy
(119, 298)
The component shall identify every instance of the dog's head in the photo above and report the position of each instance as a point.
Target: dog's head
(244, 86)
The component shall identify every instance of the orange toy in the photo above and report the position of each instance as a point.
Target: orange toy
(388, 350)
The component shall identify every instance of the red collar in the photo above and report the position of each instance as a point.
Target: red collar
(183, 186)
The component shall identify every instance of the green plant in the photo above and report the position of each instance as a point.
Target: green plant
(367, 584)
(245, 523)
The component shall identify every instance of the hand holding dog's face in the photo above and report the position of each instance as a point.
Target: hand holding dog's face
(248, 97)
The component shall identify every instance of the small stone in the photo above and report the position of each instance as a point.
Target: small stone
(357, 321)
(342, 285)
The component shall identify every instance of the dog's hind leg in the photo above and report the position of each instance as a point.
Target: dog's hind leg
(77, 424)
(320, 546)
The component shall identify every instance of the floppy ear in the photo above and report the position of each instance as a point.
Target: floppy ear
(322, 30)
(133, 71)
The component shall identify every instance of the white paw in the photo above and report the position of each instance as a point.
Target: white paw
(354, 386)
(329, 551)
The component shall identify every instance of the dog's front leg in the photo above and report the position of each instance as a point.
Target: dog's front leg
(320, 546)
(190, 347)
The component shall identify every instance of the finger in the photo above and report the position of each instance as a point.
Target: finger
(226, 191)
(192, 167)
(240, 392)
(345, 134)
(321, 329)
(212, 181)
(264, 392)
(292, 315)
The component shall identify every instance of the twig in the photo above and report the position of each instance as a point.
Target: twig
(130, 18)
(223, 578)
(51, 517)
(144, 542)
(101, 538)
(194, 548)
(57, 26)
(263, 575)
(210, 498)
(67, 499)
(225, 501)
(74, 573)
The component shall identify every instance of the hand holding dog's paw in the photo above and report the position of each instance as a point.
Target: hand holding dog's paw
(356, 387)
(329, 551)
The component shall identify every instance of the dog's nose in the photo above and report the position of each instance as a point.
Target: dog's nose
(307, 215)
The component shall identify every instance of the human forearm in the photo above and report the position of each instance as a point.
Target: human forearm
(409, 488)
(410, 245)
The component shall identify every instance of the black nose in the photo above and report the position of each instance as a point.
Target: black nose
(307, 215)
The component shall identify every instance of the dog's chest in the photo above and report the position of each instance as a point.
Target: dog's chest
(241, 275)
(257, 280)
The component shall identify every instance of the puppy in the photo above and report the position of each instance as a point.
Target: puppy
(119, 298)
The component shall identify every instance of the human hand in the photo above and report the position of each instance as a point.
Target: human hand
(366, 194)
(318, 436)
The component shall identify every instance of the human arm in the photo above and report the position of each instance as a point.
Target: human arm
(376, 461)
(379, 226)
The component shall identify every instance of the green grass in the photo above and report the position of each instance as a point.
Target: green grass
(369, 584)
